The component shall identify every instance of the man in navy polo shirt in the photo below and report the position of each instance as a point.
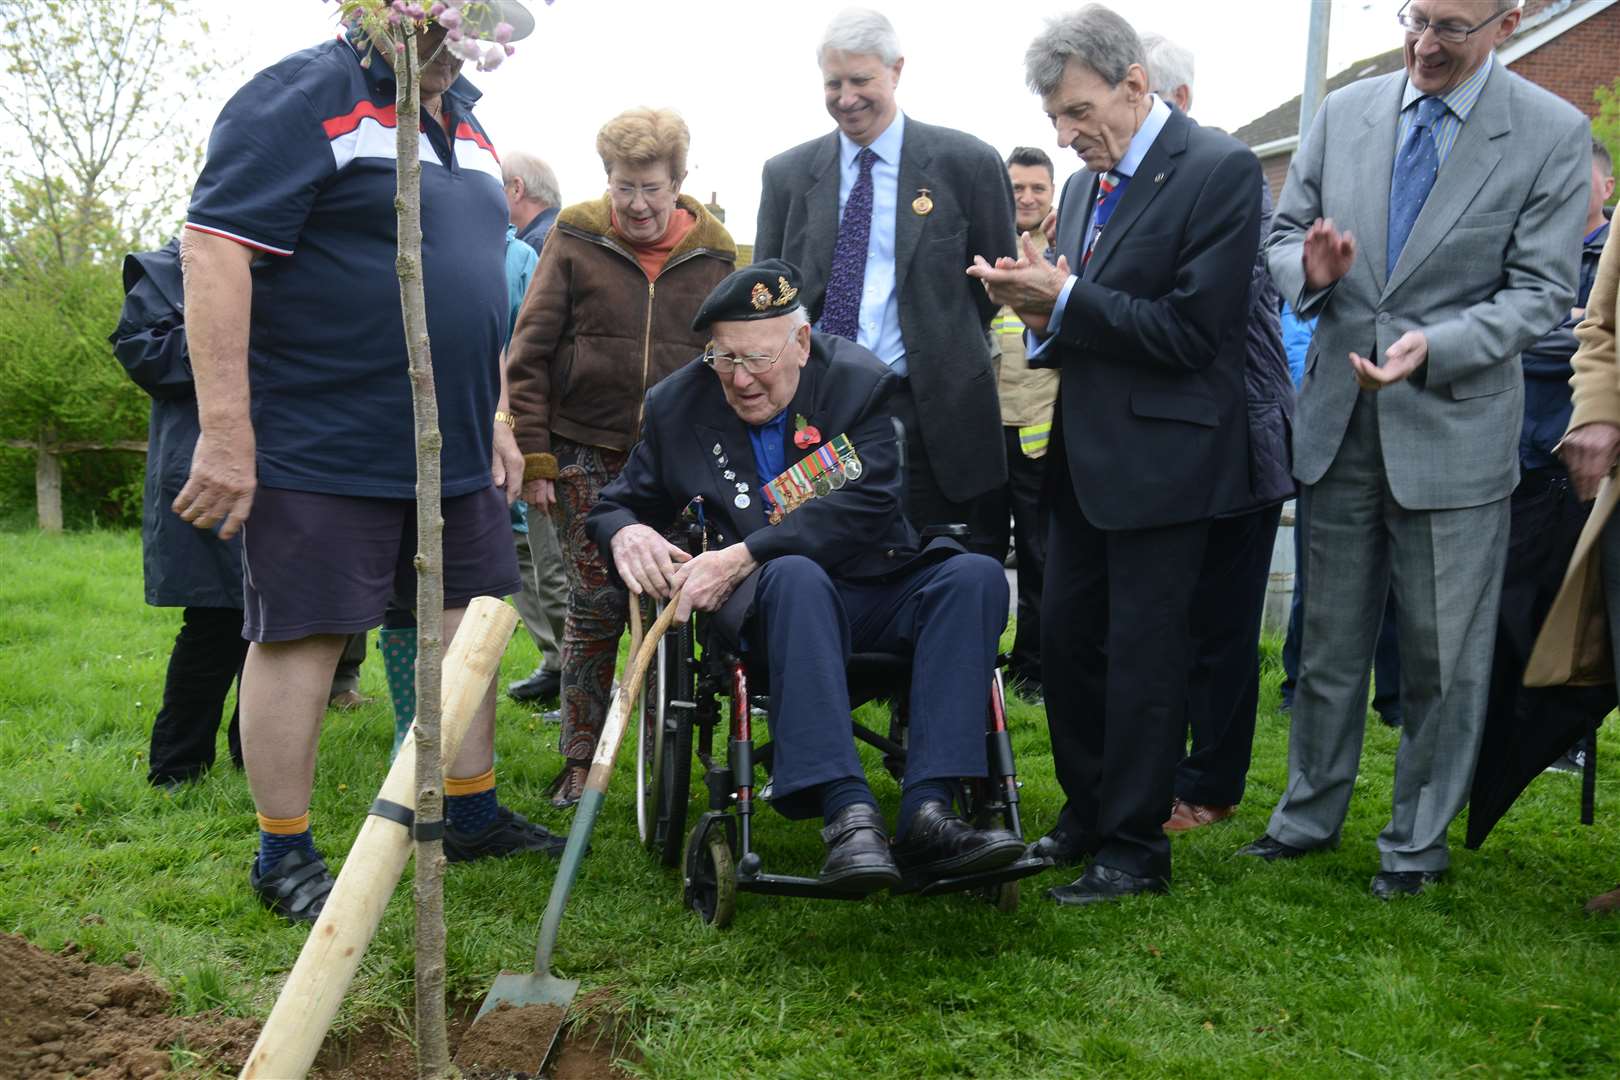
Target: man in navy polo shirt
(296, 342)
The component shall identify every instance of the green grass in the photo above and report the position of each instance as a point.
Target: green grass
(1245, 970)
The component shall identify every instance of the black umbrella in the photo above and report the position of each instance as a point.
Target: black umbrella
(1528, 728)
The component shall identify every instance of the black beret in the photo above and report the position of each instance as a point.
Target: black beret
(762, 290)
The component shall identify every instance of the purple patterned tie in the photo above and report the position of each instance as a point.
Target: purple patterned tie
(841, 310)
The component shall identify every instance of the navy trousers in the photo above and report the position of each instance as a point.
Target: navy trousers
(947, 615)
(1223, 689)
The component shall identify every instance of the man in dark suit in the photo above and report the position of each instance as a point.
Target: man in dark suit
(1150, 442)
(785, 436)
(883, 215)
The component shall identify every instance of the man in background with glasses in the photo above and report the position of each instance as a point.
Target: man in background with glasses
(1426, 221)
(785, 436)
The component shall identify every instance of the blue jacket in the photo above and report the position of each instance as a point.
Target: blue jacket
(184, 566)
(1546, 372)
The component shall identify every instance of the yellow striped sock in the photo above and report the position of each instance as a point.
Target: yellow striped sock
(291, 826)
(469, 785)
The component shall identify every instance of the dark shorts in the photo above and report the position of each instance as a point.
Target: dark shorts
(328, 564)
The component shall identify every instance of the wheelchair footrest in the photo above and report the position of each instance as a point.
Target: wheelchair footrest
(788, 885)
(1024, 867)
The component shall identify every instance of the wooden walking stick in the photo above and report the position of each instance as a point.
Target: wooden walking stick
(292, 1036)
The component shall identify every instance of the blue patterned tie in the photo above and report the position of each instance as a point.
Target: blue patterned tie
(841, 310)
(1415, 168)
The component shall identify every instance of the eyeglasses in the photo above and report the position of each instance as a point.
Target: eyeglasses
(1449, 32)
(756, 364)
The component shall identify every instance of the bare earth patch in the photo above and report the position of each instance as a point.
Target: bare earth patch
(61, 1016)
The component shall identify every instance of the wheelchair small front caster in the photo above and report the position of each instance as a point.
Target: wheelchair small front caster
(711, 877)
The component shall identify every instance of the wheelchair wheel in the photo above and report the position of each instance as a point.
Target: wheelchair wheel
(711, 877)
(664, 756)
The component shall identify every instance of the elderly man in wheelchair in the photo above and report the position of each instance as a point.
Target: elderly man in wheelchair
(781, 436)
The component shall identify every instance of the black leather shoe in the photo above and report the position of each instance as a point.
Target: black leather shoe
(939, 843)
(543, 686)
(1103, 884)
(1063, 848)
(858, 859)
(296, 887)
(1271, 849)
(1388, 884)
(509, 834)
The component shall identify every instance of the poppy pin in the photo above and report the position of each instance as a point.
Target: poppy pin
(805, 434)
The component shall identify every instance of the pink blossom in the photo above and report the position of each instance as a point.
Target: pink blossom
(492, 57)
(450, 19)
(503, 32)
(436, 10)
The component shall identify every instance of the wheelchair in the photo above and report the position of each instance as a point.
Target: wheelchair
(679, 713)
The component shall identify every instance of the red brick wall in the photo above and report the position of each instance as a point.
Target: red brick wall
(1276, 169)
(1575, 63)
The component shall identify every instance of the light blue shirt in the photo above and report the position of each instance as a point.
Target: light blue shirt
(1158, 115)
(1459, 103)
(879, 328)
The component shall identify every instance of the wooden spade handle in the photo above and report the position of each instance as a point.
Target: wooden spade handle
(607, 747)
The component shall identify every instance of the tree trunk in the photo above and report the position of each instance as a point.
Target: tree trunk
(48, 487)
(432, 1039)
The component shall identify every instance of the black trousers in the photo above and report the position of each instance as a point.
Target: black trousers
(207, 658)
(1018, 508)
(926, 504)
(1546, 521)
(1115, 651)
(1223, 688)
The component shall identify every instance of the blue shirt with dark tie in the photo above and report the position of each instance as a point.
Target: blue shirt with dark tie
(879, 326)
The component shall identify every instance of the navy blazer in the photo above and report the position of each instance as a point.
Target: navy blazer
(1152, 414)
(856, 532)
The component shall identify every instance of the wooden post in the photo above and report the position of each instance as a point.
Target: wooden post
(48, 487)
(303, 1012)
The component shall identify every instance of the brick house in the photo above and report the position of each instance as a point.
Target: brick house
(1571, 47)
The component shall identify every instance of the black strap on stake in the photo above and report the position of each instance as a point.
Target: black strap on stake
(404, 815)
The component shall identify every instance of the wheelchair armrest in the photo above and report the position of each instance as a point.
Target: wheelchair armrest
(955, 530)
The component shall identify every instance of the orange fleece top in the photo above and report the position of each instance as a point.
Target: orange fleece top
(654, 255)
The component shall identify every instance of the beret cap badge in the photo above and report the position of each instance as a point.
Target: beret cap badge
(767, 289)
(760, 297)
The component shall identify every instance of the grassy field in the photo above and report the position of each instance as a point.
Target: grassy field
(1244, 970)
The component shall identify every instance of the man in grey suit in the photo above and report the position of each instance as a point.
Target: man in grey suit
(1457, 184)
(882, 217)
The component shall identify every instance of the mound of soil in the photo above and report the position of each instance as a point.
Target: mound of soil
(65, 1017)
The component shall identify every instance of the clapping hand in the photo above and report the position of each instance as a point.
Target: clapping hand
(1329, 254)
(1029, 284)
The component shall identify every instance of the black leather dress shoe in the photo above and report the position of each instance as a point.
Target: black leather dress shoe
(1102, 884)
(939, 843)
(1271, 849)
(543, 686)
(1388, 884)
(1063, 848)
(858, 858)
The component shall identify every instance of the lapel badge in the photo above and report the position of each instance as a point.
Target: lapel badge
(729, 474)
(716, 449)
(922, 205)
(742, 501)
(805, 434)
(1159, 179)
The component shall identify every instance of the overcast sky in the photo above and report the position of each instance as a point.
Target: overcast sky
(744, 74)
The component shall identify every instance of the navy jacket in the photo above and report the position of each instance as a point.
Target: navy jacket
(1268, 389)
(1546, 373)
(184, 566)
(856, 533)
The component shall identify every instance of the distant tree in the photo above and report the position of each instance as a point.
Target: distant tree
(1606, 125)
(103, 141)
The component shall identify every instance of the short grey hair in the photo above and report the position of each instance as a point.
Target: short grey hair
(861, 31)
(1168, 65)
(1093, 35)
(539, 182)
